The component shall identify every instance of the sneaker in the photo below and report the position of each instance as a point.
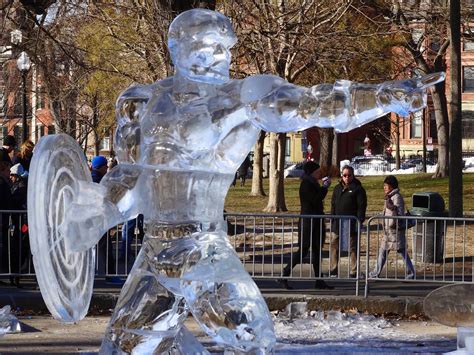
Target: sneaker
(410, 277)
(353, 274)
(331, 274)
(321, 285)
(373, 274)
(284, 283)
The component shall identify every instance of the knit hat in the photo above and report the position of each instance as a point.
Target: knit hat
(98, 162)
(9, 141)
(392, 181)
(17, 169)
(310, 167)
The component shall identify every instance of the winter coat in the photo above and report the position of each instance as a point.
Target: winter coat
(19, 192)
(349, 201)
(96, 176)
(394, 233)
(312, 203)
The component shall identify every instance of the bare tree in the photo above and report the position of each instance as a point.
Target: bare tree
(455, 147)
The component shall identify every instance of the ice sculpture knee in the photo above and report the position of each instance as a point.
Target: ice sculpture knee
(179, 142)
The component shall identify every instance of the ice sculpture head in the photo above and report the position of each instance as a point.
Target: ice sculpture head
(199, 42)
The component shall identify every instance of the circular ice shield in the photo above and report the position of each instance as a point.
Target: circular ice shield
(451, 305)
(65, 278)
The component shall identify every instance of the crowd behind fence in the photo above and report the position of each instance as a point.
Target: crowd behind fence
(441, 248)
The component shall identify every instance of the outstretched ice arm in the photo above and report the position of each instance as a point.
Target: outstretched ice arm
(278, 106)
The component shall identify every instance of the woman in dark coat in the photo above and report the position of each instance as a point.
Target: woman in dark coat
(311, 230)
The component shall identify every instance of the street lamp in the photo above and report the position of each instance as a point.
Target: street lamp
(23, 63)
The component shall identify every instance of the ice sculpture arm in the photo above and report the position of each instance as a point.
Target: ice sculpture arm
(129, 109)
(100, 207)
(278, 106)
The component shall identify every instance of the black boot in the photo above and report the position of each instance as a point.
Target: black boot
(320, 284)
(284, 283)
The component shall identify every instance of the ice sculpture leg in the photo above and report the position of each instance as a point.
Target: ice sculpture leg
(148, 316)
(223, 298)
(200, 273)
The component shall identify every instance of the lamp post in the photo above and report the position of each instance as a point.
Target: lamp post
(23, 63)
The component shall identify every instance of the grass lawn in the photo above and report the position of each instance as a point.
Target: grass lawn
(238, 199)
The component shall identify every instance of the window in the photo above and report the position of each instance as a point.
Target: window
(287, 147)
(468, 78)
(51, 129)
(40, 98)
(433, 129)
(3, 133)
(467, 124)
(105, 143)
(416, 125)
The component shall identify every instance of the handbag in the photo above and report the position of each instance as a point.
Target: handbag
(410, 223)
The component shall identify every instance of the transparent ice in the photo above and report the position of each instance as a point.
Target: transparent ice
(452, 305)
(8, 322)
(179, 142)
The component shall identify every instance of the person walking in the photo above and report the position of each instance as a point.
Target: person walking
(394, 229)
(348, 199)
(311, 231)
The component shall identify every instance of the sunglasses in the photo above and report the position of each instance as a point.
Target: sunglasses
(346, 175)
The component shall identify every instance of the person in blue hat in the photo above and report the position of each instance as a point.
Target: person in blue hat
(98, 168)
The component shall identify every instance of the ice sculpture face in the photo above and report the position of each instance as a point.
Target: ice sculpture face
(179, 142)
(199, 42)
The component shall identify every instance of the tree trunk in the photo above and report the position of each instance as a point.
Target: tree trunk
(276, 194)
(335, 152)
(442, 126)
(455, 134)
(257, 177)
(326, 138)
(281, 206)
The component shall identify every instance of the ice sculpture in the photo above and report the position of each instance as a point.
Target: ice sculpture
(179, 142)
(8, 322)
(452, 305)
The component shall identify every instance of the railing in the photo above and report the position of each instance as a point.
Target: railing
(441, 249)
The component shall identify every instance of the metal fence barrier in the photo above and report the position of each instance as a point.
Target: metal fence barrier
(441, 249)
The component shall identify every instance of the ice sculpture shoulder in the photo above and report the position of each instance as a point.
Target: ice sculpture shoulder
(179, 142)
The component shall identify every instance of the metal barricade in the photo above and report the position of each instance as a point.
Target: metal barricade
(16, 257)
(440, 249)
(269, 245)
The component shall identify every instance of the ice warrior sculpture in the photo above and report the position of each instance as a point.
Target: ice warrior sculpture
(179, 142)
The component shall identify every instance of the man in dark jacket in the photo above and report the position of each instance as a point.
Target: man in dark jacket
(348, 199)
(311, 230)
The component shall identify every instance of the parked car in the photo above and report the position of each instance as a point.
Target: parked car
(294, 170)
(414, 163)
(363, 164)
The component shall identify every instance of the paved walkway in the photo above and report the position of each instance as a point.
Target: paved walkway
(400, 298)
(42, 334)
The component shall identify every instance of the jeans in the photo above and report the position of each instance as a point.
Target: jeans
(382, 258)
